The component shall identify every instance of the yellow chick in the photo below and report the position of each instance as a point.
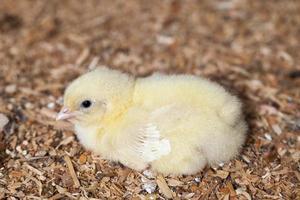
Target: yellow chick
(174, 124)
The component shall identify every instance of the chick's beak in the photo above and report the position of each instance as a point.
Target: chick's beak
(65, 114)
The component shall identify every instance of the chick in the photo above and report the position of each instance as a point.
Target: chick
(174, 124)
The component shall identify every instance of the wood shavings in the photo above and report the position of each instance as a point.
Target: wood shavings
(36, 171)
(38, 183)
(188, 195)
(66, 141)
(246, 159)
(222, 174)
(276, 129)
(244, 46)
(244, 193)
(72, 171)
(10, 89)
(268, 137)
(63, 191)
(165, 40)
(174, 182)
(17, 174)
(94, 63)
(164, 188)
(83, 56)
(3, 121)
(59, 125)
(82, 159)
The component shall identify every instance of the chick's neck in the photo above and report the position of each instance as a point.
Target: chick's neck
(115, 117)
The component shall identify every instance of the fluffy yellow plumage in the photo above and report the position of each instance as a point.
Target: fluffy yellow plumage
(175, 124)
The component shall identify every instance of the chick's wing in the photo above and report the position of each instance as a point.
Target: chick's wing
(146, 136)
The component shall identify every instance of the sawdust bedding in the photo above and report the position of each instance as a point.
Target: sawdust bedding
(250, 47)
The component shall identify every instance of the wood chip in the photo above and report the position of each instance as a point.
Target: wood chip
(82, 158)
(3, 121)
(72, 171)
(174, 182)
(222, 174)
(10, 89)
(244, 193)
(38, 183)
(65, 141)
(16, 174)
(34, 170)
(82, 57)
(62, 190)
(164, 188)
(276, 128)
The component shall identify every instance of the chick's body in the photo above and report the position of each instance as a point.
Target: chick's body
(175, 124)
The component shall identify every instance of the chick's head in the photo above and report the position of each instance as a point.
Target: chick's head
(95, 96)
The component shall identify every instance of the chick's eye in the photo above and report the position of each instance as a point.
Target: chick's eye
(86, 104)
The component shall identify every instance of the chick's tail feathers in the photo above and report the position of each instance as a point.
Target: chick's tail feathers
(224, 145)
(231, 112)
